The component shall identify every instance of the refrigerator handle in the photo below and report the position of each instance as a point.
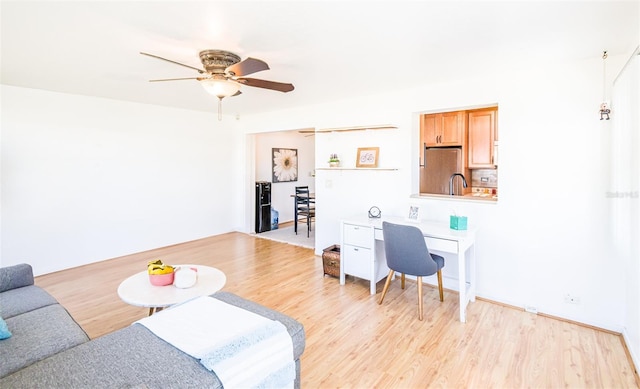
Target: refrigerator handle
(424, 154)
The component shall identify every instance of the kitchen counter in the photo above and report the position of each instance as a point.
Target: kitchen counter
(468, 197)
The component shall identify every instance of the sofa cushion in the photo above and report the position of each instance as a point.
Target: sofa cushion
(20, 300)
(130, 357)
(15, 276)
(4, 329)
(135, 357)
(38, 334)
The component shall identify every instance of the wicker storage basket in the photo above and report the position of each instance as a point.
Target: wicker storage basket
(331, 260)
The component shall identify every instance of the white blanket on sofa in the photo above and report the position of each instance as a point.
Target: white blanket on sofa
(244, 349)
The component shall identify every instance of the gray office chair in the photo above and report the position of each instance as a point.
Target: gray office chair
(407, 253)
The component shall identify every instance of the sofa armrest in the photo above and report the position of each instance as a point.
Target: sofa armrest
(16, 276)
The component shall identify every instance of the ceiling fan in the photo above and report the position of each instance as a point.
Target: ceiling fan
(224, 72)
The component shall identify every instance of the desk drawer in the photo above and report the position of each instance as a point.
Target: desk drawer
(357, 261)
(449, 246)
(358, 235)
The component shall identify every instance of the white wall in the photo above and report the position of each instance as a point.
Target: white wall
(86, 179)
(625, 194)
(281, 191)
(547, 235)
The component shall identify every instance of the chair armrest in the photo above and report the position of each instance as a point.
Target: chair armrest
(16, 276)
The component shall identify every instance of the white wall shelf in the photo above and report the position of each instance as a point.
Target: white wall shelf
(356, 168)
(357, 128)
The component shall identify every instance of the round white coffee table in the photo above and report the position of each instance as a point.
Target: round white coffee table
(137, 290)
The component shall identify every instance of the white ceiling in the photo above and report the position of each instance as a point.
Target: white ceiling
(329, 50)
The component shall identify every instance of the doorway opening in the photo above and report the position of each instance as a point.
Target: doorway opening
(264, 148)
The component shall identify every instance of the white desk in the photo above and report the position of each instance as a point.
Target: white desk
(362, 252)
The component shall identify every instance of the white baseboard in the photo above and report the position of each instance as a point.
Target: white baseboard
(635, 358)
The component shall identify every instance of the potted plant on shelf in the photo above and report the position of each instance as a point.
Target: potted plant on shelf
(334, 161)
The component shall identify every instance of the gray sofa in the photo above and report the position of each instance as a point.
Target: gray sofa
(49, 349)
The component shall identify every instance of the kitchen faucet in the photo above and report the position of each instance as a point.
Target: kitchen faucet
(453, 176)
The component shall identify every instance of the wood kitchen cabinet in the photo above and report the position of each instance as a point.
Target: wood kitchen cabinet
(483, 132)
(443, 129)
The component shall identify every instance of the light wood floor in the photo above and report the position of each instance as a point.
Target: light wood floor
(352, 342)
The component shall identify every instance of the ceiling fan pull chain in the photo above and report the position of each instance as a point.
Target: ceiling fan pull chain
(219, 109)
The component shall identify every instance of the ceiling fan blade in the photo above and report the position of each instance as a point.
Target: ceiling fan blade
(279, 86)
(176, 79)
(248, 66)
(177, 63)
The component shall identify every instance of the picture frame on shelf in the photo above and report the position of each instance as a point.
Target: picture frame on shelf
(367, 157)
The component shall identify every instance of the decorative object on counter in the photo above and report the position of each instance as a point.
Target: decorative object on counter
(334, 161)
(367, 157)
(414, 213)
(374, 212)
(457, 222)
(159, 273)
(185, 277)
(604, 106)
(331, 260)
(285, 165)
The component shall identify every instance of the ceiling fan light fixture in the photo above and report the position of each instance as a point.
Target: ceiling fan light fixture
(220, 88)
(220, 71)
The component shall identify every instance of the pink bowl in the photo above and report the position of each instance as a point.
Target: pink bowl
(161, 279)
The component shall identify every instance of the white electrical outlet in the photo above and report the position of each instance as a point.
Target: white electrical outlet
(571, 299)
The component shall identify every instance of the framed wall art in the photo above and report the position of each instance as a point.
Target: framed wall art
(284, 163)
(414, 213)
(367, 157)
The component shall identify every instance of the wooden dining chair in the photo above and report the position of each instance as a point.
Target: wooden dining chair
(304, 207)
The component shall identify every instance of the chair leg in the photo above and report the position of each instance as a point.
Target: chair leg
(440, 285)
(402, 281)
(420, 307)
(386, 285)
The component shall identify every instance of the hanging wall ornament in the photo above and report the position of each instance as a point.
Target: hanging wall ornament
(605, 111)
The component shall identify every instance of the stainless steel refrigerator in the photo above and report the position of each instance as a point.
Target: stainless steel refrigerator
(439, 164)
(263, 206)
